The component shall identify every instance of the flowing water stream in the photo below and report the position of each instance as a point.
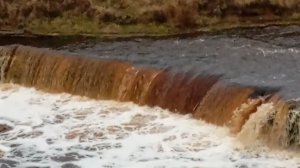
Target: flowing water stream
(227, 99)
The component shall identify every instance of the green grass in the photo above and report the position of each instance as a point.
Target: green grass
(146, 29)
(78, 26)
(66, 26)
(86, 26)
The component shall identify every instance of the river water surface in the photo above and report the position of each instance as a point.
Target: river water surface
(61, 130)
(262, 57)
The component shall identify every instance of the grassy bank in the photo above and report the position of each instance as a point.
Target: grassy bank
(150, 17)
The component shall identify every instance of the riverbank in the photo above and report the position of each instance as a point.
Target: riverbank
(127, 18)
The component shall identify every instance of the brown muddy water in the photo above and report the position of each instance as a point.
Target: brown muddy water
(267, 56)
(260, 60)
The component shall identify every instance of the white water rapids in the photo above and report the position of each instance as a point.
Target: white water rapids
(61, 130)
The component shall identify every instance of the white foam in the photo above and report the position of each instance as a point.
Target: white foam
(53, 130)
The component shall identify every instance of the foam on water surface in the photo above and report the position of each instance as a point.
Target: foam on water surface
(60, 130)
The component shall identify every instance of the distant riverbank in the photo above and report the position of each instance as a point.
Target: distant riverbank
(139, 18)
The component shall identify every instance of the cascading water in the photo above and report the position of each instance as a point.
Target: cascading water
(245, 110)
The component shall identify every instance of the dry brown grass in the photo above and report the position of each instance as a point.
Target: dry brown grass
(279, 3)
(183, 13)
(179, 14)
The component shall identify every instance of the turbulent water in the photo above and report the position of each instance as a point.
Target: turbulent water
(61, 130)
(260, 56)
(204, 96)
(221, 79)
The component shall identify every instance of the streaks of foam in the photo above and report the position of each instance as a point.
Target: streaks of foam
(267, 52)
(62, 130)
(206, 97)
